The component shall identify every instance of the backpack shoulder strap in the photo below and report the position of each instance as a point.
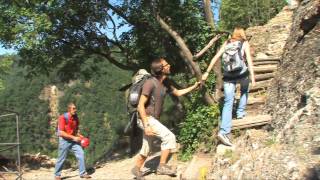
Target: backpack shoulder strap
(242, 56)
(153, 93)
(66, 117)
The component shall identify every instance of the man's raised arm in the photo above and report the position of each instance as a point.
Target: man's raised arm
(182, 92)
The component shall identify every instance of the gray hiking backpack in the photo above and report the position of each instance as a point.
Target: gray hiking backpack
(232, 59)
(135, 90)
(134, 94)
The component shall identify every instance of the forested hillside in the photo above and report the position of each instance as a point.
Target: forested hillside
(101, 106)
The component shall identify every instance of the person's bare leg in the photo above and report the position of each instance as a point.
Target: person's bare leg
(164, 156)
(140, 161)
(164, 169)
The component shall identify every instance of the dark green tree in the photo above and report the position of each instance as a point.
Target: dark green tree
(245, 13)
(48, 34)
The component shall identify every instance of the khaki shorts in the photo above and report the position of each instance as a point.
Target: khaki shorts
(168, 139)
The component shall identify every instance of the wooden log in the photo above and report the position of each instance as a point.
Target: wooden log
(258, 63)
(267, 59)
(254, 100)
(251, 121)
(259, 85)
(261, 77)
(250, 125)
(263, 69)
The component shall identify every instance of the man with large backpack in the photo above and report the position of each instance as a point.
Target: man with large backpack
(69, 140)
(149, 107)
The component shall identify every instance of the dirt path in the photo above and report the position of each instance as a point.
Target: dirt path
(114, 169)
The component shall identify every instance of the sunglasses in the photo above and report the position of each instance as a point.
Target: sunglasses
(165, 65)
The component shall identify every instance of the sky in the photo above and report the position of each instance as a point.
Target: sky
(6, 51)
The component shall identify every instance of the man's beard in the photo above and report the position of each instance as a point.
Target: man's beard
(166, 73)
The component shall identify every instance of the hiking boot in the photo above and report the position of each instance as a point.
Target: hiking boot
(166, 170)
(137, 173)
(85, 176)
(57, 178)
(224, 139)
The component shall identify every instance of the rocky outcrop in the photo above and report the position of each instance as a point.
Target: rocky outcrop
(299, 68)
(51, 93)
(269, 40)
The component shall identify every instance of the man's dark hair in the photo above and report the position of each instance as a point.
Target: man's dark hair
(156, 67)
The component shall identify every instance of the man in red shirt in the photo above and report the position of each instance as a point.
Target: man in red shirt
(69, 139)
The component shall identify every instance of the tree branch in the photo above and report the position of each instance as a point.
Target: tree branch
(105, 55)
(211, 42)
(115, 62)
(120, 13)
(187, 55)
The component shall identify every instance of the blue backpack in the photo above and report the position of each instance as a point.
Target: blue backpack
(66, 117)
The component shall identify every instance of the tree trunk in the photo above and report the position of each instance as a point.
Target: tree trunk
(186, 54)
(217, 68)
(208, 13)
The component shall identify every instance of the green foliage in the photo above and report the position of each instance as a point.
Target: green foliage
(148, 40)
(22, 95)
(101, 107)
(198, 126)
(49, 34)
(245, 13)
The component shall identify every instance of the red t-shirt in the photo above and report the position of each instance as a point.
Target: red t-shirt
(71, 127)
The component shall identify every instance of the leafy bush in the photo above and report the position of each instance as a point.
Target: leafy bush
(198, 126)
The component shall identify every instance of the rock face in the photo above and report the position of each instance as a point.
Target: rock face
(51, 93)
(299, 68)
